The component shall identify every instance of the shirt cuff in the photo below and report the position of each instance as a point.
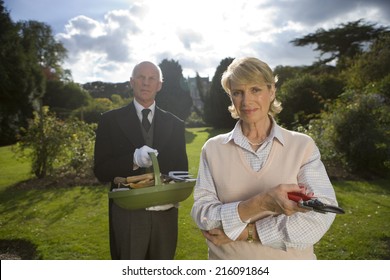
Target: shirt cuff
(269, 234)
(231, 221)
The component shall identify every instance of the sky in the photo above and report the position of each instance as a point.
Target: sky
(105, 39)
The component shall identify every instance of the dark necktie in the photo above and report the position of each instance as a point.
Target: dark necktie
(145, 120)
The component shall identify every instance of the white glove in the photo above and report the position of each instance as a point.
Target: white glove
(141, 156)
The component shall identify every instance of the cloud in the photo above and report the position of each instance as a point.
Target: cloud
(316, 13)
(189, 37)
(199, 34)
(281, 52)
(83, 25)
(101, 42)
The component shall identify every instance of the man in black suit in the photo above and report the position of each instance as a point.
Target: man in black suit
(124, 138)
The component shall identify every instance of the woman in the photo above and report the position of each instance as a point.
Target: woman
(240, 198)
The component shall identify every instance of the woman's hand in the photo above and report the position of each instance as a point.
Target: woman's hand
(216, 236)
(274, 201)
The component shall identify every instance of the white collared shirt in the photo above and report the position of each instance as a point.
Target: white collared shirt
(139, 108)
(256, 158)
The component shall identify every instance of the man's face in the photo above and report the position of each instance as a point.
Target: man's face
(145, 83)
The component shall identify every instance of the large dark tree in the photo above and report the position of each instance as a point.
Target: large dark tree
(174, 95)
(29, 55)
(13, 104)
(343, 42)
(217, 102)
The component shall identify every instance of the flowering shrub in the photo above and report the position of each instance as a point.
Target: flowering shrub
(57, 148)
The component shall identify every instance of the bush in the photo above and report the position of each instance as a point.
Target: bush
(92, 112)
(304, 97)
(355, 133)
(57, 147)
(194, 120)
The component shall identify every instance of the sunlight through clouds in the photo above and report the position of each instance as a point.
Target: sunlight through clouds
(105, 39)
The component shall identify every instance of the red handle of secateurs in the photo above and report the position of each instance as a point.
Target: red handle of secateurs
(295, 196)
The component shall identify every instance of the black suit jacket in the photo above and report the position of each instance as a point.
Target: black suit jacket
(119, 134)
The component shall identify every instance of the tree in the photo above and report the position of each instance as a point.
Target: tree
(29, 56)
(106, 90)
(202, 95)
(343, 42)
(285, 73)
(13, 104)
(217, 102)
(92, 112)
(305, 96)
(370, 67)
(174, 95)
(44, 51)
(62, 98)
(353, 132)
(43, 57)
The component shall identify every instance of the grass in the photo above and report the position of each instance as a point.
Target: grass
(364, 231)
(71, 223)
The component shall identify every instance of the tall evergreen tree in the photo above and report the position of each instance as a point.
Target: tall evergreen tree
(174, 95)
(217, 102)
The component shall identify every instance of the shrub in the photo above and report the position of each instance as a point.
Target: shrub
(55, 146)
(92, 112)
(304, 97)
(355, 133)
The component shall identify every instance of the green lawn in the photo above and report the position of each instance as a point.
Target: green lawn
(71, 223)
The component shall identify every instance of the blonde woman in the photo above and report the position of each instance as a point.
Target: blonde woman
(240, 198)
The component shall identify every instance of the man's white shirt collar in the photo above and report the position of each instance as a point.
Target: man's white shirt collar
(139, 108)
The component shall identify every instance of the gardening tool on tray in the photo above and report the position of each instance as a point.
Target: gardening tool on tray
(147, 180)
(151, 189)
(178, 176)
(313, 203)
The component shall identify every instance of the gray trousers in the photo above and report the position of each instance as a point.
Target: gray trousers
(143, 235)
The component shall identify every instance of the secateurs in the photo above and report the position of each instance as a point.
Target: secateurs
(313, 203)
(181, 176)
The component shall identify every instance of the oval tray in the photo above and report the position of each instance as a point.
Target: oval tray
(159, 194)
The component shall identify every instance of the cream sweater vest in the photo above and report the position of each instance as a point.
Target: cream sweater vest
(235, 181)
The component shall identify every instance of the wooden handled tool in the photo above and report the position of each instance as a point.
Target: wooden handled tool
(136, 182)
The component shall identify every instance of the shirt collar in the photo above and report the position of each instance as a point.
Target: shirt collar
(237, 136)
(139, 108)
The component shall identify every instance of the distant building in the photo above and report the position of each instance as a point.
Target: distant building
(194, 91)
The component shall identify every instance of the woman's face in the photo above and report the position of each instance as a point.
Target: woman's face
(252, 101)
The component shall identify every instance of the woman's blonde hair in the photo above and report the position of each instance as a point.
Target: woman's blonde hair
(249, 70)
